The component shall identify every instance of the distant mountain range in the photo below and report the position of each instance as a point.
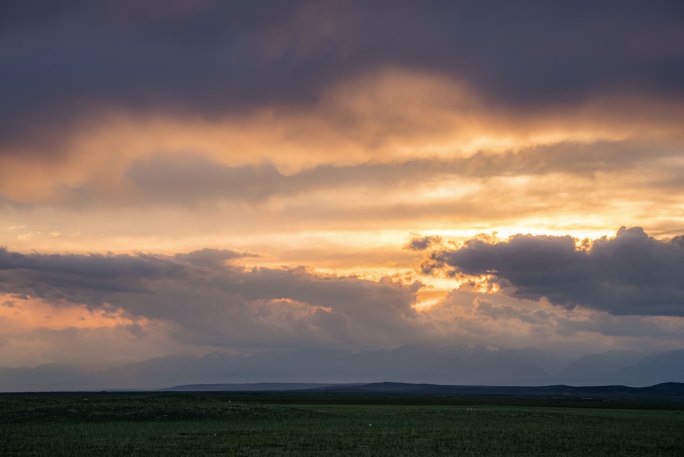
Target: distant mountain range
(317, 368)
(669, 391)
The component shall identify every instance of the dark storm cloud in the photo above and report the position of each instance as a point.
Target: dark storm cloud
(629, 274)
(215, 302)
(36, 274)
(63, 61)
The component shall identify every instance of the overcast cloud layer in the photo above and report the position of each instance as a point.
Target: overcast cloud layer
(213, 57)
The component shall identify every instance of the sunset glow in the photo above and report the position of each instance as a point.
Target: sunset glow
(222, 177)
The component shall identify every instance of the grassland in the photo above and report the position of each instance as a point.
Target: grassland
(195, 424)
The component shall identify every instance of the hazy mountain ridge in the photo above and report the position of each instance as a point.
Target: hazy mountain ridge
(598, 368)
(407, 364)
(671, 391)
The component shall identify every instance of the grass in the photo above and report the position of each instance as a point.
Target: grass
(333, 425)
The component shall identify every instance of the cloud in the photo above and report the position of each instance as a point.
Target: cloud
(211, 58)
(629, 274)
(193, 303)
(214, 302)
(192, 179)
(420, 243)
(88, 346)
(467, 316)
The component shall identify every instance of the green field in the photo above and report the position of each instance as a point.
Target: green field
(327, 425)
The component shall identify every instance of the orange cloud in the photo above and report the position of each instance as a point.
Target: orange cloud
(29, 313)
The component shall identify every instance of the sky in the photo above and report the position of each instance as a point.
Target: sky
(183, 178)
